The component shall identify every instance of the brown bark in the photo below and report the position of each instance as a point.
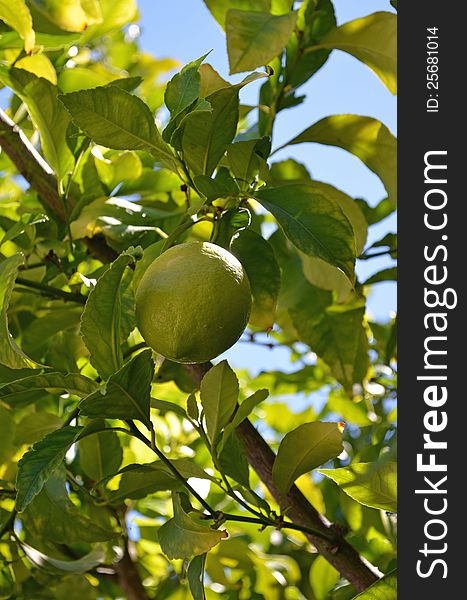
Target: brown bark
(129, 578)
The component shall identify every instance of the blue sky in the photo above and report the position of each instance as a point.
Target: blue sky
(184, 29)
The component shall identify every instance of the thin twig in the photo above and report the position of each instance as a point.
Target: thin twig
(151, 444)
(51, 291)
(366, 256)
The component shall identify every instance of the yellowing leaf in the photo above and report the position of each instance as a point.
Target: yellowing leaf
(16, 14)
(70, 15)
(39, 65)
(367, 138)
(371, 39)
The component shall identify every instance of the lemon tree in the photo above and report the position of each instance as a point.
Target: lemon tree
(147, 226)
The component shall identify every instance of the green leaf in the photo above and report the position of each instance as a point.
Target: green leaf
(384, 589)
(260, 264)
(25, 222)
(389, 240)
(192, 407)
(255, 38)
(39, 65)
(371, 39)
(137, 481)
(243, 411)
(375, 214)
(211, 81)
(288, 171)
(323, 577)
(246, 160)
(233, 461)
(303, 449)
(121, 168)
(52, 516)
(219, 187)
(349, 207)
(35, 426)
(326, 277)
(7, 583)
(219, 393)
(70, 15)
(47, 41)
(18, 17)
(322, 274)
(347, 409)
(219, 8)
(49, 117)
(115, 15)
(367, 138)
(100, 455)
(231, 221)
(116, 119)
(10, 354)
(315, 19)
(73, 383)
(164, 406)
(184, 87)
(182, 537)
(205, 134)
(37, 335)
(7, 427)
(81, 565)
(101, 319)
(127, 392)
(38, 464)
(389, 274)
(336, 334)
(314, 222)
(370, 484)
(74, 587)
(195, 576)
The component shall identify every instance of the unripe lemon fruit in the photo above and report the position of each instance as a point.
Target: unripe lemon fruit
(193, 302)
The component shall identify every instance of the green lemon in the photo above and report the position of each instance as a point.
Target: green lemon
(193, 302)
